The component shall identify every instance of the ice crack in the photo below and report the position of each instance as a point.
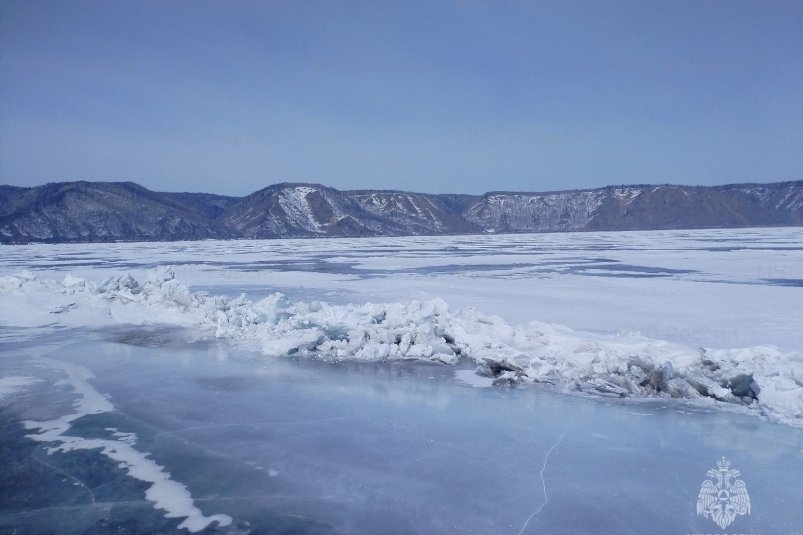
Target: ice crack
(167, 494)
(543, 483)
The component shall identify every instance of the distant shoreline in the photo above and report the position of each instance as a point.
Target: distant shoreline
(107, 212)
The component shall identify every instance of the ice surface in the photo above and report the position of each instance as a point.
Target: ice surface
(470, 378)
(156, 394)
(710, 288)
(378, 448)
(166, 494)
(15, 383)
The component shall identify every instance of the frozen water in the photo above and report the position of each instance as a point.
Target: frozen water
(128, 401)
(307, 447)
(712, 288)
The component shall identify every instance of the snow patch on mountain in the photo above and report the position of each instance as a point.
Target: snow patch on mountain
(410, 210)
(535, 212)
(626, 195)
(299, 213)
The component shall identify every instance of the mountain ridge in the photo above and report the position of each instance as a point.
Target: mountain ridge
(83, 211)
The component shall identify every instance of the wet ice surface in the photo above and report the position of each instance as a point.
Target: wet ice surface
(286, 446)
(298, 446)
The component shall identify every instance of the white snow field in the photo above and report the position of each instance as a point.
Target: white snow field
(488, 384)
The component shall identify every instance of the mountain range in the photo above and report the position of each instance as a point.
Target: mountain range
(125, 211)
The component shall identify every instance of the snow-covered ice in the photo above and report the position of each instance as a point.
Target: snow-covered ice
(15, 383)
(711, 288)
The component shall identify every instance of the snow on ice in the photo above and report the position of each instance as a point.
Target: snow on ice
(165, 493)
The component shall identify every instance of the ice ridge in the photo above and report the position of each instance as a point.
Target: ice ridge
(762, 378)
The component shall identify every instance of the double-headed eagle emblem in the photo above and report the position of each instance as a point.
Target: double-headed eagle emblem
(722, 499)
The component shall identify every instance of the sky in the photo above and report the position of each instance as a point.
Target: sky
(437, 96)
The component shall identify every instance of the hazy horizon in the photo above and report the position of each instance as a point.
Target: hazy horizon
(724, 184)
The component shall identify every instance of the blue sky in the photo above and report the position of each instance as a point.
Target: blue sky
(437, 96)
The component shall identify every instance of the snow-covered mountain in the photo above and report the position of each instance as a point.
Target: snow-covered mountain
(103, 211)
(291, 210)
(539, 212)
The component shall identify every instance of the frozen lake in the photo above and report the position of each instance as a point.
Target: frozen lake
(722, 288)
(120, 417)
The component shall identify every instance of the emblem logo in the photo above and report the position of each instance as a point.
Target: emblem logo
(721, 499)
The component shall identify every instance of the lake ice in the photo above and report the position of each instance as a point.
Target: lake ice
(127, 414)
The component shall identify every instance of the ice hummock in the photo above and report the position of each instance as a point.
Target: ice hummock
(762, 378)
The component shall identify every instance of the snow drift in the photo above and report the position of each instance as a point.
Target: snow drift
(761, 378)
